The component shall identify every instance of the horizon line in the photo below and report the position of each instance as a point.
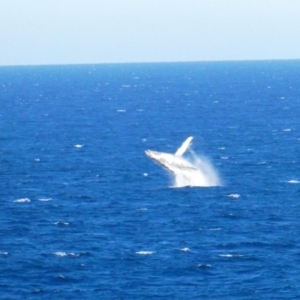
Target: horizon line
(149, 62)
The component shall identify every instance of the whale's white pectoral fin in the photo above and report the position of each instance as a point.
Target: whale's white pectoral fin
(185, 145)
(169, 161)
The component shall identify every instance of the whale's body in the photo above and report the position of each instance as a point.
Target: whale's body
(186, 173)
(173, 162)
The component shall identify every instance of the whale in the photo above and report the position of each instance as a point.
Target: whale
(173, 162)
(186, 172)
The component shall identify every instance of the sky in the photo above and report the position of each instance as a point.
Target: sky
(41, 32)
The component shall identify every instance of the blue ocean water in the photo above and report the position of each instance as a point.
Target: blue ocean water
(86, 215)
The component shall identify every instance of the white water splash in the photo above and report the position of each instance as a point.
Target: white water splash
(203, 174)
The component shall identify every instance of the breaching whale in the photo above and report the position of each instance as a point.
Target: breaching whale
(186, 173)
(173, 162)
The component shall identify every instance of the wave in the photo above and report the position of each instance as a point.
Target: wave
(293, 181)
(22, 200)
(144, 252)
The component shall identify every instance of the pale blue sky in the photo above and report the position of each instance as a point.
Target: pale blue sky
(104, 31)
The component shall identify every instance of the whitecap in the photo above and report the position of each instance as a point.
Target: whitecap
(186, 249)
(144, 252)
(61, 223)
(45, 199)
(287, 130)
(37, 159)
(210, 229)
(59, 253)
(22, 200)
(224, 157)
(225, 255)
(145, 174)
(121, 110)
(3, 253)
(230, 255)
(204, 266)
(78, 146)
(293, 181)
(234, 196)
(62, 254)
(221, 148)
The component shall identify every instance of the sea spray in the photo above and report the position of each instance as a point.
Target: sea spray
(203, 173)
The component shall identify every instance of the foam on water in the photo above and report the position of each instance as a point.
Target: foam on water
(62, 254)
(22, 200)
(210, 229)
(231, 255)
(204, 175)
(293, 181)
(234, 196)
(61, 223)
(204, 266)
(144, 252)
(45, 199)
(186, 249)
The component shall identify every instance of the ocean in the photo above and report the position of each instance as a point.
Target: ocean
(85, 214)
